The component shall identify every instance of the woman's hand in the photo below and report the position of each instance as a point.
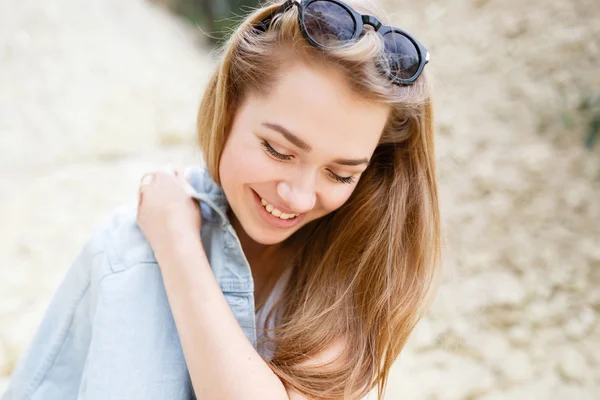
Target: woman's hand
(166, 213)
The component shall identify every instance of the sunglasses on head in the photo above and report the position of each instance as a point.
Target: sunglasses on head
(332, 24)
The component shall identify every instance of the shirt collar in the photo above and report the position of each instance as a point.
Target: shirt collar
(213, 202)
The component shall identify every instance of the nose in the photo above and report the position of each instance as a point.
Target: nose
(300, 197)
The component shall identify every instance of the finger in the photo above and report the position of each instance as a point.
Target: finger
(140, 196)
(147, 179)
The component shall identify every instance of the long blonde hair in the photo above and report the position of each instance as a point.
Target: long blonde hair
(367, 271)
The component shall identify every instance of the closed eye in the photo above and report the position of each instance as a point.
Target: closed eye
(269, 149)
(342, 179)
(286, 157)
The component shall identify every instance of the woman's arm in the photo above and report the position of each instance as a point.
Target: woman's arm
(223, 364)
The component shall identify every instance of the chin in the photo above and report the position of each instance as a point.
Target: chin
(261, 236)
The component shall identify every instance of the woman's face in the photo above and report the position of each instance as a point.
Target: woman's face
(296, 155)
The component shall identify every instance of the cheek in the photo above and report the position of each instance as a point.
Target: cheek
(242, 163)
(335, 197)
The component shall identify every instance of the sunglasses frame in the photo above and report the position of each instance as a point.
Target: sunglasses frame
(360, 20)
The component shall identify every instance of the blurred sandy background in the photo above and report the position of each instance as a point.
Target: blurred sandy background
(95, 93)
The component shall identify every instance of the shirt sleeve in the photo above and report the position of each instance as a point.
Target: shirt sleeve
(135, 351)
(108, 332)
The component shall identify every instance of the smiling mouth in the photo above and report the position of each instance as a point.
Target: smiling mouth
(269, 214)
(275, 212)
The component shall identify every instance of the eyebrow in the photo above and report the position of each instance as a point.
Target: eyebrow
(301, 144)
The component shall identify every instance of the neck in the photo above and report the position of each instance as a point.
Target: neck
(256, 253)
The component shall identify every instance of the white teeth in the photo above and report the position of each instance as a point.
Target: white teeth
(275, 212)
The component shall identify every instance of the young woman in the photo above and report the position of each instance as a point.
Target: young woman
(295, 262)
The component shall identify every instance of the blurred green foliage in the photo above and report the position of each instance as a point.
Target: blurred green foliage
(590, 109)
(216, 18)
(583, 117)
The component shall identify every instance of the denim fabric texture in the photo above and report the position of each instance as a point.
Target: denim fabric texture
(108, 333)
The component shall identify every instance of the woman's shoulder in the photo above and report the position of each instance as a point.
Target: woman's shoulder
(119, 236)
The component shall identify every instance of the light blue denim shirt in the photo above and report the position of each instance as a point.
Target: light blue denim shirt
(108, 333)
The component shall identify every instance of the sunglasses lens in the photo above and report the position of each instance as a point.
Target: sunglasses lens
(328, 24)
(402, 55)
